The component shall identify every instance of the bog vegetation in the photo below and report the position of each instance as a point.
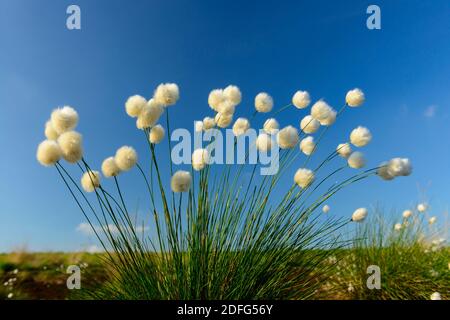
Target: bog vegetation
(224, 231)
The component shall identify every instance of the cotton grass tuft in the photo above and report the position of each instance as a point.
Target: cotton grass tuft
(126, 158)
(264, 142)
(356, 160)
(287, 137)
(200, 158)
(271, 126)
(134, 105)
(407, 213)
(156, 134)
(344, 150)
(223, 120)
(307, 145)
(309, 125)
(198, 126)
(90, 180)
(323, 113)
(149, 115)
(208, 123)
(399, 167)
(48, 153)
(64, 119)
(50, 132)
(233, 94)
(240, 126)
(263, 102)
(167, 94)
(360, 136)
(304, 177)
(422, 207)
(301, 99)
(355, 97)
(435, 296)
(71, 143)
(215, 98)
(359, 215)
(110, 167)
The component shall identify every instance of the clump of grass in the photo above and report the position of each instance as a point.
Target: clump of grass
(412, 263)
(219, 232)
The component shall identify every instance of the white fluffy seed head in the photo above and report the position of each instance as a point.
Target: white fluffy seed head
(134, 105)
(397, 226)
(359, 215)
(287, 137)
(181, 181)
(307, 145)
(321, 111)
(422, 207)
(167, 94)
(407, 213)
(435, 296)
(200, 158)
(326, 208)
(223, 120)
(208, 123)
(356, 160)
(263, 102)
(399, 167)
(328, 121)
(110, 168)
(64, 119)
(304, 177)
(233, 94)
(198, 126)
(432, 220)
(355, 98)
(226, 108)
(50, 132)
(271, 126)
(156, 134)
(360, 136)
(126, 158)
(383, 172)
(309, 125)
(301, 99)
(71, 143)
(264, 142)
(149, 115)
(344, 150)
(90, 180)
(48, 152)
(240, 126)
(215, 98)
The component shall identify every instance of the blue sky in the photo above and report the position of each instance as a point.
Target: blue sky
(128, 47)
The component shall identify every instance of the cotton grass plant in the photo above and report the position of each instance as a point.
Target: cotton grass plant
(411, 254)
(219, 231)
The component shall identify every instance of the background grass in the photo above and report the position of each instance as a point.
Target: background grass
(43, 275)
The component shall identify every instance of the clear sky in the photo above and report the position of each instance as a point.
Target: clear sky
(129, 47)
